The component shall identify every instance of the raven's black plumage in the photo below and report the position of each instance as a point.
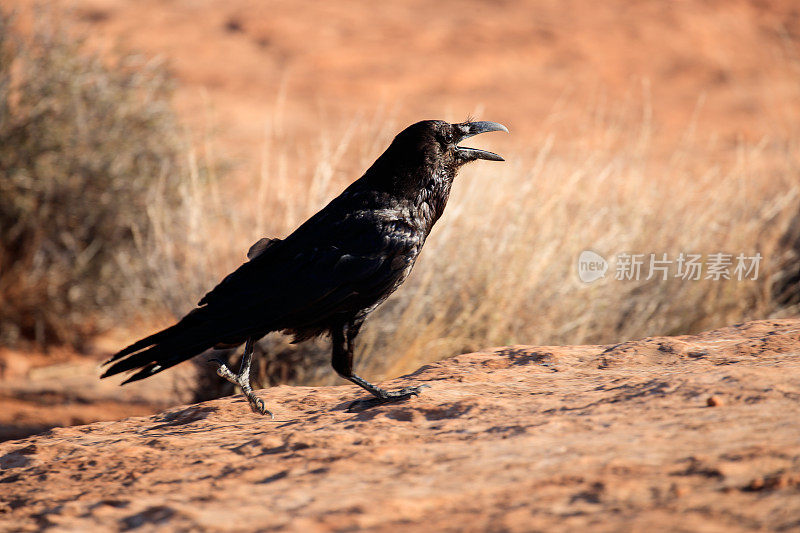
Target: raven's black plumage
(334, 270)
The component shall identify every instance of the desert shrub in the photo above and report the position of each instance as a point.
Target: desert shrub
(87, 144)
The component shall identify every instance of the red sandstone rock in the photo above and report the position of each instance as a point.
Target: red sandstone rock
(601, 438)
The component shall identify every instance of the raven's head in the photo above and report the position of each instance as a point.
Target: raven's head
(431, 148)
(436, 142)
(424, 158)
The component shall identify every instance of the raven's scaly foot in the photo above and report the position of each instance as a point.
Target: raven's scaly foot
(384, 396)
(257, 405)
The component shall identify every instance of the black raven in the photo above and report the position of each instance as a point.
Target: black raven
(332, 272)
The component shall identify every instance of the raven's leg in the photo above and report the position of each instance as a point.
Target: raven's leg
(343, 346)
(242, 379)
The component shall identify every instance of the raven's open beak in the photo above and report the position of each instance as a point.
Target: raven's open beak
(468, 129)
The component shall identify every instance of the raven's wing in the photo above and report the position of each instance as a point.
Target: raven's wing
(301, 280)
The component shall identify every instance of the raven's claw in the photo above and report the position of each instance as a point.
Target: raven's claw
(257, 405)
(384, 396)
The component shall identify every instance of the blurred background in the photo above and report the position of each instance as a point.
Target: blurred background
(145, 145)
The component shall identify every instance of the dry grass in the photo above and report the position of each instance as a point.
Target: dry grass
(500, 267)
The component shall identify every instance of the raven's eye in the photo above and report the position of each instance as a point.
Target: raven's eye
(447, 136)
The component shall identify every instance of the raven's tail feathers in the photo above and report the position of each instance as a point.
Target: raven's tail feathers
(189, 337)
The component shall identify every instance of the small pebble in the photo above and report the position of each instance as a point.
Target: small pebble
(714, 401)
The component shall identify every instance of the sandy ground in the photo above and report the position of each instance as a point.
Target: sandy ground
(692, 433)
(39, 391)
